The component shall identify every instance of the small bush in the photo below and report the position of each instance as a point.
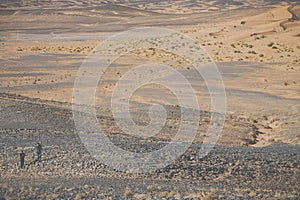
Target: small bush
(128, 193)
(78, 196)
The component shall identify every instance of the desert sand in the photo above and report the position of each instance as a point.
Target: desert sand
(255, 45)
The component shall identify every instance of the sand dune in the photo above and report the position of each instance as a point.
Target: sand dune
(59, 34)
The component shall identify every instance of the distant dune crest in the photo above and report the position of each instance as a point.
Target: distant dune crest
(160, 6)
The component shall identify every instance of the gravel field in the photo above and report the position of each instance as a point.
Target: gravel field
(67, 171)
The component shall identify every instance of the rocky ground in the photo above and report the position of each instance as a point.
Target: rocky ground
(67, 170)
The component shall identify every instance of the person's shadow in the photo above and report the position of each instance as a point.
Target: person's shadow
(40, 160)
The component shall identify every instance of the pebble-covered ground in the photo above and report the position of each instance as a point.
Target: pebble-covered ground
(68, 171)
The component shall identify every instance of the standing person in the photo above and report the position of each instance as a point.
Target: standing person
(22, 159)
(39, 152)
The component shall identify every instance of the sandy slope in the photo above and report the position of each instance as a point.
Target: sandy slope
(259, 60)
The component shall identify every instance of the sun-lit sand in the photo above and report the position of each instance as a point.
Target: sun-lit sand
(257, 50)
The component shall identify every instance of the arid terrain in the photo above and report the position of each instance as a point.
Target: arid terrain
(255, 45)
